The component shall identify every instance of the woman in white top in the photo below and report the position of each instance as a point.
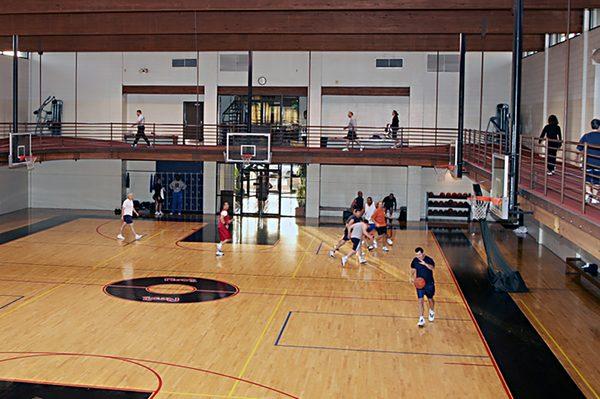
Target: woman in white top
(127, 211)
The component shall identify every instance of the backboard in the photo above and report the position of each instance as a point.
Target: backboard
(19, 149)
(500, 184)
(241, 145)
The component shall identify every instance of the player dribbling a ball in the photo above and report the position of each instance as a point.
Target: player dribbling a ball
(422, 267)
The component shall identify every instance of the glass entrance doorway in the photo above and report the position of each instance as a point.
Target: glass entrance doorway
(264, 190)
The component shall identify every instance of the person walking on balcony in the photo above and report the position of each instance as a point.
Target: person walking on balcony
(392, 128)
(553, 136)
(591, 164)
(177, 186)
(351, 137)
(141, 129)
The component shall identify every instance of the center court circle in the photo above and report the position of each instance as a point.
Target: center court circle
(184, 289)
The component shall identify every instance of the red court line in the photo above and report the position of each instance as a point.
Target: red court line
(25, 355)
(139, 361)
(487, 348)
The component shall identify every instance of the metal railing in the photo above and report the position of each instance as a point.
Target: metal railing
(565, 172)
(335, 137)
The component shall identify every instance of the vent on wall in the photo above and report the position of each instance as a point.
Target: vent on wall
(447, 63)
(233, 62)
(183, 63)
(389, 63)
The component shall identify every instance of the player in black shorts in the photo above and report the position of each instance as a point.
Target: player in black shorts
(422, 266)
(390, 205)
(355, 218)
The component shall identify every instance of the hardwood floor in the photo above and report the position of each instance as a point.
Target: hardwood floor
(300, 326)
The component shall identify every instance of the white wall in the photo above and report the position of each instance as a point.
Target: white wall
(100, 78)
(369, 111)
(14, 189)
(84, 184)
(581, 111)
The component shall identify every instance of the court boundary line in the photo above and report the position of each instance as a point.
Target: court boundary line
(374, 315)
(462, 295)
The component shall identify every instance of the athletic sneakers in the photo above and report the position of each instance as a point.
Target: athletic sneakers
(345, 149)
(385, 249)
(431, 315)
(362, 260)
(390, 242)
(220, 253)
(344, 260)
(138, 237)
(371, 247)
(421, 322)
(362, 148)
(332, 254)
(120, 237)
(375, 244)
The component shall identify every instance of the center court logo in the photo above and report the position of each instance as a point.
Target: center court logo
(156, 289)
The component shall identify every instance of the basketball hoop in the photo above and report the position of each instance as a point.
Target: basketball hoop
(30, 161)
(480, 206)
(247, 159)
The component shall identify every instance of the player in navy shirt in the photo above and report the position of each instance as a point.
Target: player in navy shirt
(592, 166)
(422, 266)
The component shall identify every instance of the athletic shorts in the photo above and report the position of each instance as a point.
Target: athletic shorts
(351, 135)
(381, 230)
(371, 227)
(592, 176)
(428, 291)
(355, 243)
(224, 233)
(345, 237)
(128, 219)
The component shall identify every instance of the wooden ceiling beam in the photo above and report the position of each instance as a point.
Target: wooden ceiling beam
(286, 22)
(268, 43)
(78, 6)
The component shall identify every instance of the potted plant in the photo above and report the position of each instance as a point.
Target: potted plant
(301, 193)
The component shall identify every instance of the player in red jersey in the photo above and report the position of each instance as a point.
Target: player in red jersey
(224, 233)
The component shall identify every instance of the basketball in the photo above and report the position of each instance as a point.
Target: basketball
(419, 282)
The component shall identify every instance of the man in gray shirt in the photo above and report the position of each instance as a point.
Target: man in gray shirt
(177, 186)
(351, 137)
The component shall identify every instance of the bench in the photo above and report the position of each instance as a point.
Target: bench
(368, 143)
(575, 265)
(154, 138)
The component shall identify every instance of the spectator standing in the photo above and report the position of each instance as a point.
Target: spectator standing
(177, 186)
(553, 136)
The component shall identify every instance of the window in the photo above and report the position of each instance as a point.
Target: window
(233, 62)
(594, 18)
(557, 38)
(529, 53)
(20, 54)
(389, 63)
(446, 62)
(184, 63)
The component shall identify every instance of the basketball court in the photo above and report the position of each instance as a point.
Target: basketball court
(269, 200)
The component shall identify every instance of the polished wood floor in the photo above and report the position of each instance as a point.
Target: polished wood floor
(300, 327)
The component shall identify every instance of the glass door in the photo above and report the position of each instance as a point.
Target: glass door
(260, 190)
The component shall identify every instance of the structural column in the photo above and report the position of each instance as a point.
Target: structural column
(515, 128)
(461, 105)
(313, 191)
(209, 65)
(315, 78)
(414, 203)
(209, 188)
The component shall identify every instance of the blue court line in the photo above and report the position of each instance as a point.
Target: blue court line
(332, 348)
(283, 328)
(376, 315)
(18, 298)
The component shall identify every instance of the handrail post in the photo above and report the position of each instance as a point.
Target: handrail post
(485, 140)
(562, 177)
(153, 134)
(584, 168)
(546, 168)
(532, 165)
(111, 135)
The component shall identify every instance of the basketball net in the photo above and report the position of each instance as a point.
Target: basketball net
(30, 162)
(246, 159)
(480, 206)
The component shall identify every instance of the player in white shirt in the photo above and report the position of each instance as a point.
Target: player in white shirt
(127, 211)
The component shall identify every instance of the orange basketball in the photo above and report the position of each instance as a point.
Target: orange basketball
(419, 282)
